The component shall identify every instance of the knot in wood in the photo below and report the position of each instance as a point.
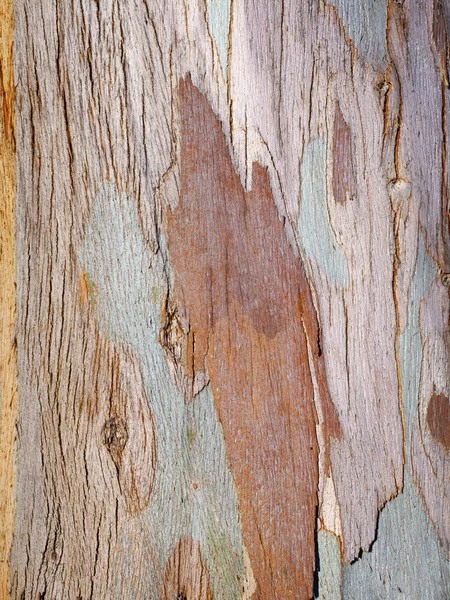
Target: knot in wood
(399, 192)
(445, 278)
(172, 334)
(115, 435)
(383, 86)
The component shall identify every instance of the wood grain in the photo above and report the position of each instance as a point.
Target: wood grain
(8, 376)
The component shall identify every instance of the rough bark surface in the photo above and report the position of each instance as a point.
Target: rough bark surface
(231, 273)
(7, 293)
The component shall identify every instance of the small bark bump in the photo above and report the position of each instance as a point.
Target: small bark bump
(115, 437)
(445, 278)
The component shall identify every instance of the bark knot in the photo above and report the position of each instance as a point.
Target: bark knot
(115, 436)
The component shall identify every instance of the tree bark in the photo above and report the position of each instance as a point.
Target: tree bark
(8, 373)
(227, 280)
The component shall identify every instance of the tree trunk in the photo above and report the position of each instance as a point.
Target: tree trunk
(227, 280)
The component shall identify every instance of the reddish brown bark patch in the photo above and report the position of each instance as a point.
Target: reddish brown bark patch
(249, 305)
(344, 183)
(438, 419)
(440, 37)
(186, 577)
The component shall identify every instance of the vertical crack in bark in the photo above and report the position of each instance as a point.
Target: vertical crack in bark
(399, 192)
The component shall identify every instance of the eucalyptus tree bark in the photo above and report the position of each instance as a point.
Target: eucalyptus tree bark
(231, 265)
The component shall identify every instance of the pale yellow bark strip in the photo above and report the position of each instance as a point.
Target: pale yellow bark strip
(7, 294)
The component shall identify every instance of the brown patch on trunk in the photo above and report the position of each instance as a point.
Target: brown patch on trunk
(186, 577)
(248, 303)
(438, 419)
(83, 289)
(344, 184)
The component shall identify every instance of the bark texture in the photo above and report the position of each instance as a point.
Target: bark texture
(232, 269)
(7, 293)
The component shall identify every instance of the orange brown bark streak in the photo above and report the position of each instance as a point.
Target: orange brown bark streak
(246, 296)
(8, 378)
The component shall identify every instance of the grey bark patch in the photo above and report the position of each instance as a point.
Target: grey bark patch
(406, 561)
(365, 23)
